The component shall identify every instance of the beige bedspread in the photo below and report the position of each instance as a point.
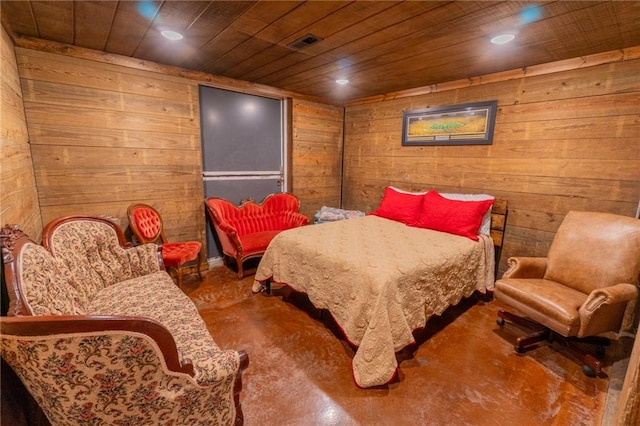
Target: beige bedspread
(380, 279)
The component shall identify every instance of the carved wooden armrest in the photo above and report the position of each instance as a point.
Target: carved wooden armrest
(237, 387)
(78, 324)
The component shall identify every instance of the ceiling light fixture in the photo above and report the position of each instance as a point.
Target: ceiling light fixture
(342, 81)
(502, 38)
(172, 35)
(530, 13)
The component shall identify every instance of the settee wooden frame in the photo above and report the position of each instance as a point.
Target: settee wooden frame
(240, 257)
(77, 324)
(22, 323)
(220, 228)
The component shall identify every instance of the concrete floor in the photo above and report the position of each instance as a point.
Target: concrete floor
(462, 371)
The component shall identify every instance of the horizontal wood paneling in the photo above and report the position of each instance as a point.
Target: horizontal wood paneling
(72, 135)
(68, 69)
(629, 402)
(97, 119)
(105, 136)
(317, 155)
(563, 141)
(18, 192)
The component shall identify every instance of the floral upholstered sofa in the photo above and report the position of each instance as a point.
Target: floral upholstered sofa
(99, 333)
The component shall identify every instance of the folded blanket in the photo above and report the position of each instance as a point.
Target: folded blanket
(331, 214)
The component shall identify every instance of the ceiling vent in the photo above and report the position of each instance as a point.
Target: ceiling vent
(304, 41)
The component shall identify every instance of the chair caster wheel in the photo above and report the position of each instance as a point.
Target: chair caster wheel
(519, 349)
(588, 371)
(600, 350)
(500, 321)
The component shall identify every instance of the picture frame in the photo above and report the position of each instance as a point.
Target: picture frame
(465, 124)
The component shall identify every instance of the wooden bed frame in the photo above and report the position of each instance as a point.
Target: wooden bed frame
(498, 225)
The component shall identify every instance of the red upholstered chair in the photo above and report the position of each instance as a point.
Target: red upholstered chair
(245, 232)
(146, 225)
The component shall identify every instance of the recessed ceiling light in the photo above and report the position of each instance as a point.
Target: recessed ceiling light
(502, 38)
(172, 35)
(530, 13)
(342, 81)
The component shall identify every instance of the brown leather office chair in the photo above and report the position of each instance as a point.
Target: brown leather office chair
(581, 289)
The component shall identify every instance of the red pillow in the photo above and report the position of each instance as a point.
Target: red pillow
(452, 216)
(399, 206)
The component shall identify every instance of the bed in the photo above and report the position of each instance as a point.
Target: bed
(381, 277)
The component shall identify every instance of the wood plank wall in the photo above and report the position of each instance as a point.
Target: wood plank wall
(563, 141)
(628, 409)
(317, 155)
(105, 135)
(18, 193)
(18, 205)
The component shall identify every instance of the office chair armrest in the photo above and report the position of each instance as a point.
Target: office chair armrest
(526, 267)
(604, 309)
(609, 295)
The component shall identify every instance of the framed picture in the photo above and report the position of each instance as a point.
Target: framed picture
(467, 124)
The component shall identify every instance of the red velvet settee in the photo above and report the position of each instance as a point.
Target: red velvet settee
(245, 232)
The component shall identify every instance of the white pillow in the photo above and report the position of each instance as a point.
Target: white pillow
(485, 227)
(402, 191)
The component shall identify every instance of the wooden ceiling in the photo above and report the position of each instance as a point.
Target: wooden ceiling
(380, 46)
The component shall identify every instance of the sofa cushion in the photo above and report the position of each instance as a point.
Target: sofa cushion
(176, 254)
(258, 241)
(542, 300)
(156, 296)
(46, 285)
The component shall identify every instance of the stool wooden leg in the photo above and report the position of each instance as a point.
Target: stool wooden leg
(240, 271)
(198, 266)
(179, 273)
